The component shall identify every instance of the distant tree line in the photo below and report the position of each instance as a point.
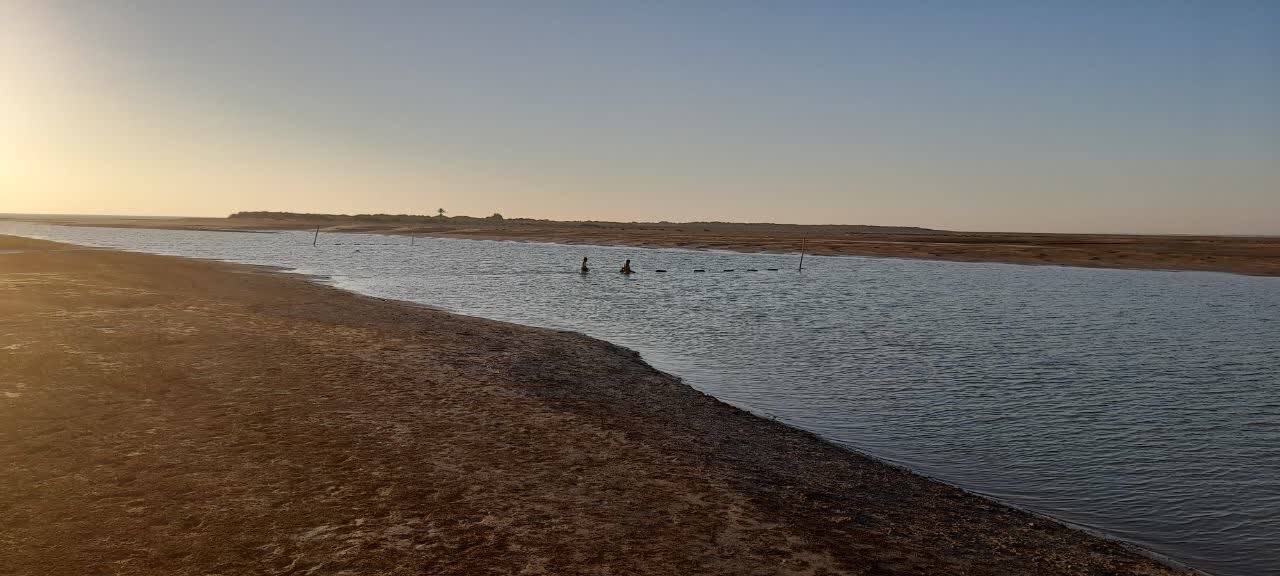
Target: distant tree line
(331, 218)
(713, 226)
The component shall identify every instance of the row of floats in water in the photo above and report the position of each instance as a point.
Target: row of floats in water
(626, 268)
(731, 270)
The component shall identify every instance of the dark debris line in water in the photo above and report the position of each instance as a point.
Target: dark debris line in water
(1143, 404)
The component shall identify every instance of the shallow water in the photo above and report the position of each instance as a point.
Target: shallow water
(1142, 404)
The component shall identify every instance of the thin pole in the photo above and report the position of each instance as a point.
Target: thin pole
(802, 239)
(412, 238)
(317, 236)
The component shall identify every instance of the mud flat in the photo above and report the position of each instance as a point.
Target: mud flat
(1257, 255)
(168, 416)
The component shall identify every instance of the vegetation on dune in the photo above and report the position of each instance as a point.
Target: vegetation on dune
(495, 218)
(331, 218)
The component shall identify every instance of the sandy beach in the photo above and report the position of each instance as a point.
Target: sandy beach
(160, 415)
(1259, 255)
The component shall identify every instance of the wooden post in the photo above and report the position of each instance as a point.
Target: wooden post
(412, 239)
(801, 269)
(317, 236)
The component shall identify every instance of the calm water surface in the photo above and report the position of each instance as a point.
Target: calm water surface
(1143, 404)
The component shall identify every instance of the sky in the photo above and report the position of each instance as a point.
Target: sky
(1080, 116)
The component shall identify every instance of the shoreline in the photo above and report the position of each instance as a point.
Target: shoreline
(787, 495)
(1248, 255)
(324, 280)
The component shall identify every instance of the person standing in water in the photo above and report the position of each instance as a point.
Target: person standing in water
(626, 267)
(584, 265)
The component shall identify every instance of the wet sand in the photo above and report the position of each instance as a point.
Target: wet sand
(1241, 255)
(168, 416)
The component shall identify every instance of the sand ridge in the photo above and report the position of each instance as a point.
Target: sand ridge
(168, 416)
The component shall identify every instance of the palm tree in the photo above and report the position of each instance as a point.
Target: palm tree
(440, 212)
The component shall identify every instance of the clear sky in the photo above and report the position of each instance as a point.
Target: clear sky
(987, 115)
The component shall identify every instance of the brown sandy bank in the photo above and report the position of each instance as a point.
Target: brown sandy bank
(169, 416)
(1237, 254)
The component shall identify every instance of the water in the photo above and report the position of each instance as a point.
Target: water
(1142, 404)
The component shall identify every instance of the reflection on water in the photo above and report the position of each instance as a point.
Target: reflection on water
(1144, 404)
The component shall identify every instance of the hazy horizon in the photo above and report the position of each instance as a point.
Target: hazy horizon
(1155, 118)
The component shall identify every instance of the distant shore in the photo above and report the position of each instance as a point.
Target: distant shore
(173, 415)
(1241, 255)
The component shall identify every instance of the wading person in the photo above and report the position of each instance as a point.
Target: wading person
(626, 267)
(584, 265)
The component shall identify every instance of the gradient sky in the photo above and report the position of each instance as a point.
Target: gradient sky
(1075, 116)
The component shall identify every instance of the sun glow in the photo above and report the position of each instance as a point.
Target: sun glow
(37, 79)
